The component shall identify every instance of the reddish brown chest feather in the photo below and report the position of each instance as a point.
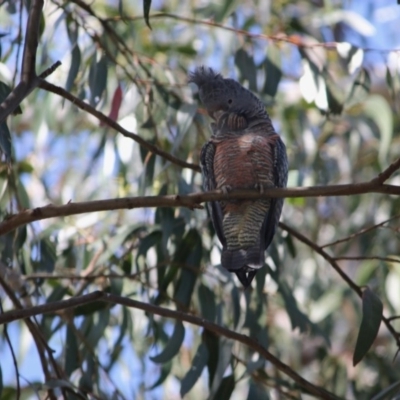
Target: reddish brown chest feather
(244, 161)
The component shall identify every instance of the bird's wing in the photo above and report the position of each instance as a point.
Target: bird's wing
(214, 208)
(280, 174)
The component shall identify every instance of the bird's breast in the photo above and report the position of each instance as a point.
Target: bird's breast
(244, 161)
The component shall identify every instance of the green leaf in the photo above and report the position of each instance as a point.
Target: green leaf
(207, 303)
(5, 90)
(257, 391)
(199, 362)
(190, 269)
(173, 345)
(72, 361)
(97, 79)
(165, 373)
(5, 140)
(389, 392)
(290, 245)
(371, 320)
(149, 241)
(224, 359)
(226, 388)
(146, 11)
(273, 73)
(377, 108)
(46, 258)
(212, 342)
(74, 69)
(235, 295)
(187, 253)
(360, 89)
(247, 68)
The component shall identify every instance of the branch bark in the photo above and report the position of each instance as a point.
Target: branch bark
(29, 79)
(193, 200)
(58, 306)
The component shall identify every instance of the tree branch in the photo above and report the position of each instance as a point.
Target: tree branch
(193, 200)
(29, 79)
(58, 306)
(331, 260)
(387, 173)
(113, 124)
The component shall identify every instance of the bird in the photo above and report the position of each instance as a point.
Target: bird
(243, 152)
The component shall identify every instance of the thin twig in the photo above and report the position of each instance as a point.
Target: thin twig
(387, 173)
(337, 268)
(111, 123)
(361, 258)
(361, 232)
(58, 306)
(295, 40)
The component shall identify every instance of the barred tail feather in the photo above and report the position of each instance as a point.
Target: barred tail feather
(243, 262)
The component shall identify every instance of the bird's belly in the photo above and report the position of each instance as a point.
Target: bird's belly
(239, 163)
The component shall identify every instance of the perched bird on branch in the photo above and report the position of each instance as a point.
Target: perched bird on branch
(244, 152)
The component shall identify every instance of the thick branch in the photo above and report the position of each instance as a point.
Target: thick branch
(29, 79)
(191, 201)
(111, 123)
(28, 73)
(58, 306)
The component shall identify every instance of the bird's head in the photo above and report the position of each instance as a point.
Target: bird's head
(220, 95)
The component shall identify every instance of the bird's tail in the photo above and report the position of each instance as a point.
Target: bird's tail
(244, 263)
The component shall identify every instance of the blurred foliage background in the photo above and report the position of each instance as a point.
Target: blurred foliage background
(328, 73)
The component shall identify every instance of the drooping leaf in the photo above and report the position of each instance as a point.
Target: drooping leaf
(207, 303)
(257, 391)
(372, 309)
(377, 108)
(212, 342)
(199, 362)
(146, 243)
(165, 372)
(72, 361)
(5, 90)
(224, 359)
(97, 79)
(146, 12)
(46, 255)
(359, 90)
(389, 392)
(5, 140)
(75, 66)
(173, 345)
(189, 269)
(290, 245)
(188, 251)
(273, 73)
(115, 104)
(226, 388)
(247, 68)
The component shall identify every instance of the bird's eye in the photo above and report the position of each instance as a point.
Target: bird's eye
(230, 101)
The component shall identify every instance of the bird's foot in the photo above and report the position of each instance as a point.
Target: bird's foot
(226, 189)
(262, 187)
